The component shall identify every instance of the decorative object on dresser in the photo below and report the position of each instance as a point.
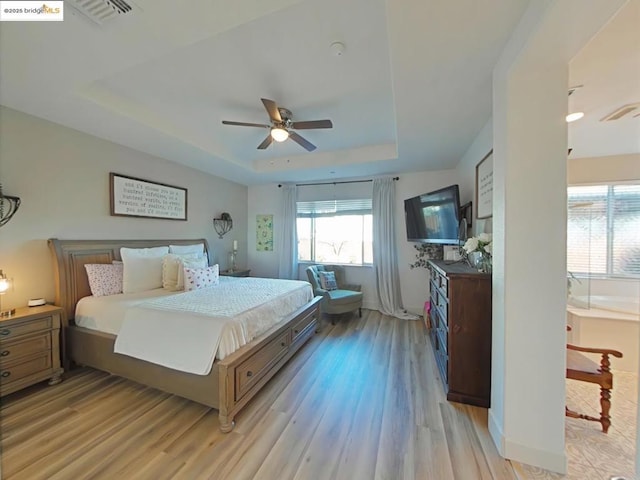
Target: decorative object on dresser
(223, 225)
(481, 247)
(30, 348)
(460, 313)
(135, 197)
(8, 207)
(5, 285)
(236, 273)
(426, 252)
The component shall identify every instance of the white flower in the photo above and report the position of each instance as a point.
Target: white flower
(489, 248)
(471, 245)
(485, 237)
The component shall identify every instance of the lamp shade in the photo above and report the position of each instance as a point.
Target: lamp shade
(4, 283)
(279, 134)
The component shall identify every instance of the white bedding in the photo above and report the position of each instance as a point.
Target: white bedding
(188, 330)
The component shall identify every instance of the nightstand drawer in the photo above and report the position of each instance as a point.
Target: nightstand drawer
(12, 331)
(24, 369)
(24, 347)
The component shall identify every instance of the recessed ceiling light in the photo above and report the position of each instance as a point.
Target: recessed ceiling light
(572, 117)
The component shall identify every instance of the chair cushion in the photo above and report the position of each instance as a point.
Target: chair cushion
(580, 362)
(343, 297)
(328, 280)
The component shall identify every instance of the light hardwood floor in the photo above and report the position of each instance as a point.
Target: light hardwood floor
(362, 400)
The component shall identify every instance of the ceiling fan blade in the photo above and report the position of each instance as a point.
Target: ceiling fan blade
(272, 110)
(310, 147)
(266, 142)
(312, 124)
(244, 124)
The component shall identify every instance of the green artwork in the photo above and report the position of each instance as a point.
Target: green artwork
(264, 233)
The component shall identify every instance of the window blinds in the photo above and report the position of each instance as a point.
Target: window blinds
(603, 230)
(331, 208)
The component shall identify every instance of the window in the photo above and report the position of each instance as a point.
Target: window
(335, 231)
(603, 230)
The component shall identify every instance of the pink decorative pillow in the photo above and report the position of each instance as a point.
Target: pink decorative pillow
(197, 278)
(104, 278)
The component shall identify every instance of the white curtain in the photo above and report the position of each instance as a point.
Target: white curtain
(288, 267)
(385, 258)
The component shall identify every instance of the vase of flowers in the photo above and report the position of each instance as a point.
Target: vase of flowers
(483, 245)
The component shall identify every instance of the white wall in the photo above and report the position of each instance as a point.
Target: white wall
(530, 82)
(62, 177)
(414, 282)
(466, 174)
(614, 168)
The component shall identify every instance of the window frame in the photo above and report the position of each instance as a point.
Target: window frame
(313, 230)
(610, 234)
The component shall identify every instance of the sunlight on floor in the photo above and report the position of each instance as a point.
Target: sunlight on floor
(593, 455)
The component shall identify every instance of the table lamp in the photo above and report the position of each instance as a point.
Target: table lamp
(5, 285)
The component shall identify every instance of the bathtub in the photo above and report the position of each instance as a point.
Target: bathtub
(628, 305)
(611, 322)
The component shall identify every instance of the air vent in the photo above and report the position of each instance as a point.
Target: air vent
(621, 112)
(573, 89)
(101, 11)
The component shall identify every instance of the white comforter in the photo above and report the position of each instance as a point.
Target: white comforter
(185, 331)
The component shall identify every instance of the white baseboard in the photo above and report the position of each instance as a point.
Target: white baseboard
(555, 462)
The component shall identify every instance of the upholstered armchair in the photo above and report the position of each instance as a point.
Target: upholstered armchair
(345, 298)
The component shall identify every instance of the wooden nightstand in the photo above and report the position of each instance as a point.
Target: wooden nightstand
(30, 348)
(236, 273)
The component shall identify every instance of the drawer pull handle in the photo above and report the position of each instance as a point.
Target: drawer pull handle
(5, 374)
(296, 331)
(283, 344)
(5, 331)
(249, 373)
(4, 353)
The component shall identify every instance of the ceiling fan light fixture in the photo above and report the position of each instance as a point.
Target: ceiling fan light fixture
(279, 134)
(572, 117)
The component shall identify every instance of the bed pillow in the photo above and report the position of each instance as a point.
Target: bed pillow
(173, 269)
(328, 280)
(186, 249)
(104, 278)
(197, 278)
(142, 268)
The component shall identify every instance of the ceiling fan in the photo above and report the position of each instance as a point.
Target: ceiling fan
(281, 126)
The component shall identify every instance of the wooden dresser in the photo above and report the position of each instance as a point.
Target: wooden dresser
(30, 348)
(461, 330)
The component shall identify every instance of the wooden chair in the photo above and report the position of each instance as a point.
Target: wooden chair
(582, 368)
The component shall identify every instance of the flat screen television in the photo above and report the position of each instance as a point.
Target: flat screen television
(433, 217)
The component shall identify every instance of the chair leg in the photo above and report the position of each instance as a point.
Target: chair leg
(360, 312)
(605, 403)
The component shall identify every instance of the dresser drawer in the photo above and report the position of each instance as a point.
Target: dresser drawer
(17, 371)
(298, 328)
(440, 282)
(249, 372)
(24, 347)
(11, 331)
(440, 305)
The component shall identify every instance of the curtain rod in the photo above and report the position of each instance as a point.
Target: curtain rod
(334, 183)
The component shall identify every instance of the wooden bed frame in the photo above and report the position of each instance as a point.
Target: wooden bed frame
(232, 381)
